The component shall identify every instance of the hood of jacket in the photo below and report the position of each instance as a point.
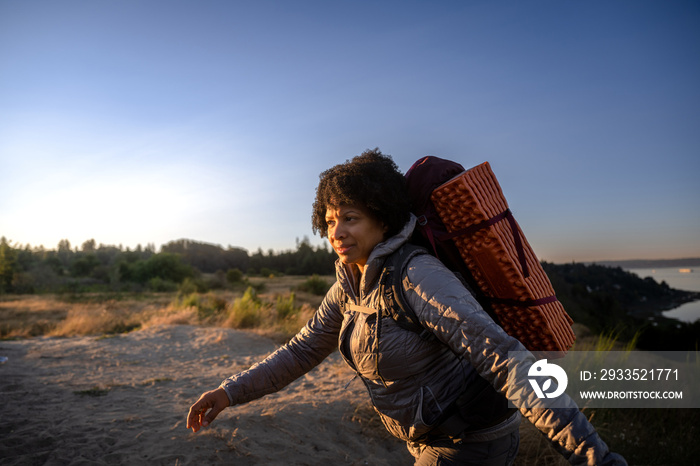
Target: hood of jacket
(404, 374)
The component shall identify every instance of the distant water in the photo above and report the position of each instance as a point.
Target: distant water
(688, 312)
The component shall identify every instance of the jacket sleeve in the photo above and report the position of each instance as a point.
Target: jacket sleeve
(448, 309)
(314, 342)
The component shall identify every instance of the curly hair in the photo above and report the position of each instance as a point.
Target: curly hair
(371, 180)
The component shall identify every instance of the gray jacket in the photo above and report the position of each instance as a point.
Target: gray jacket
(411, 380)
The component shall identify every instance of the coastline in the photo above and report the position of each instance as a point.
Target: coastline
(685, 286)
(687, 312)
(658, 308)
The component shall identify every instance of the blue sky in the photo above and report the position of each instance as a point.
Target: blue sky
(136, 122)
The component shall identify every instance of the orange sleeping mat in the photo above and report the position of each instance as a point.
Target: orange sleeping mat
(501, 260)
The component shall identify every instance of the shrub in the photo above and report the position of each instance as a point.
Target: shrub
(234, 276)
(164, 265)
(23, 283)
(159, 285)
(207, 306)
(286, 307)
(191, 285)
(245, 312)
(315, 285)
(190, 300)
(211, 306)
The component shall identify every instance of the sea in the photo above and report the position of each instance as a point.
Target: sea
(679, 278)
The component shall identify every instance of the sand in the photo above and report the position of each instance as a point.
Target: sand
(124, 399)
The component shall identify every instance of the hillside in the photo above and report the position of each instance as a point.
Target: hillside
(612, 300)
(650, 263)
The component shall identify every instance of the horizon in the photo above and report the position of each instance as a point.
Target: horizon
(159, 248)
(135, 122)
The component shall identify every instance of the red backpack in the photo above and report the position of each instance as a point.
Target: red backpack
(464, 220)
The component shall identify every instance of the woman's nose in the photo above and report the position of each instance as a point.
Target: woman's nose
(338, 232)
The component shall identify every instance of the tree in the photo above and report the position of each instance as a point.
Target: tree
(64, 252)
(208, 258)
(85, 265)
(8, 265)
(166, 266)
(88, 246)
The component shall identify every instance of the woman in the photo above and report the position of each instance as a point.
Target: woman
(444, 395)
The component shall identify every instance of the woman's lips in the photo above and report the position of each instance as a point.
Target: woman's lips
(343, 249)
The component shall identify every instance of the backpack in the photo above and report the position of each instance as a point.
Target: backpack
(464, 220)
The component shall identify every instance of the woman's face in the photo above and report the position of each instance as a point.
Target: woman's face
(353, 233)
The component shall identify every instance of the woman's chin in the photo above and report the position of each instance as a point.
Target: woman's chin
(347, 260)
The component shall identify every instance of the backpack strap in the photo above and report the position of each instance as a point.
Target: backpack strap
(479, 406)
(391, 283)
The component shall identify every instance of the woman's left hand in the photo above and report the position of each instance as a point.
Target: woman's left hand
(214, 402)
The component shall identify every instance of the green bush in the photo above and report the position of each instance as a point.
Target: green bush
(191, 285)
(187, 287)
(286, 306)
(234, 276)
(315, 285)
(246, 312)
(159, 285)
(164, 265)
(213, 281)
(211, 306)
(190, 300)
(208, 306)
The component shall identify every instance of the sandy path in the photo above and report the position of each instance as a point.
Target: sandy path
(123, 400)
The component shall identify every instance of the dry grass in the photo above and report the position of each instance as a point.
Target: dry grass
(30, 316)
(276, 312)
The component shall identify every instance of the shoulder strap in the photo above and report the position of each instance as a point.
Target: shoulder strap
(392, 290)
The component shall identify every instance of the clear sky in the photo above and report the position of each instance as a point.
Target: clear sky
(142, 121)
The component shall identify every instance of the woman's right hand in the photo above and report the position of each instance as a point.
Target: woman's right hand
(207, 407)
